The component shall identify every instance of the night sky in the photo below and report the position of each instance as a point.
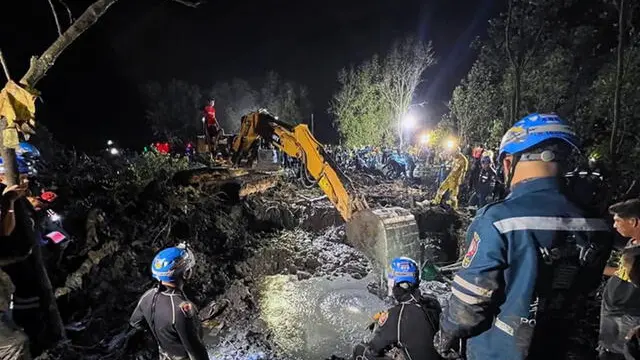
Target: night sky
(92, 93)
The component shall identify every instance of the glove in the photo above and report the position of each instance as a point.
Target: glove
(443, 343)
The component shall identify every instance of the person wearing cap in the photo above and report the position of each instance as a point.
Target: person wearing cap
(401, 330)
(532, 258)
(171, 317)
(486, 179)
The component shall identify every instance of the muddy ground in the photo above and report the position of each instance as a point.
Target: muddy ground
(295, 290)
(273, 268)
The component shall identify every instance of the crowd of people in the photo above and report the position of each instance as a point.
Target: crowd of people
(536, 252)
(533, 258)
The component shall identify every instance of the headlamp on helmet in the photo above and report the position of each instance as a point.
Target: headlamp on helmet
(173, 264)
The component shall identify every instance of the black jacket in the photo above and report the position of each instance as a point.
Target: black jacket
(486, 181)
(410, 325)
(174, 322)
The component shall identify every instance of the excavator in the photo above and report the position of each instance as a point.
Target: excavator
(381, 234)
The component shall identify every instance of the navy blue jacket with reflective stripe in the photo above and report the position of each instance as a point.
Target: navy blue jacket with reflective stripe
(504, 272)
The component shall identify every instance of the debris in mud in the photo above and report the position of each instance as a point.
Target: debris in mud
(287, 238)
(101, 275)
(297, 251)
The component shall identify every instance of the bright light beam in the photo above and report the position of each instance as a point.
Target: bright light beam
(450, 144)
(408, 121)
(425, 138)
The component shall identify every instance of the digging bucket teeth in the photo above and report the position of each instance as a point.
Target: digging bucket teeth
(386, 233)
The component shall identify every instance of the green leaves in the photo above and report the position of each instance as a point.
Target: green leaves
(374, 95)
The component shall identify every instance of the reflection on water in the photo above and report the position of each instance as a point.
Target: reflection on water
(315, 318)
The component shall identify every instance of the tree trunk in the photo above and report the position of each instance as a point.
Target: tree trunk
(517, 84)
(618, 84)
(10, 163)
(37, 70)
(400, 134)
(12, 177)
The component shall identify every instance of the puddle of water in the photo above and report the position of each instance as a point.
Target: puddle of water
(317, 318)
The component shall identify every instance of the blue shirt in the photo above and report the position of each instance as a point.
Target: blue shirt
(530, 260)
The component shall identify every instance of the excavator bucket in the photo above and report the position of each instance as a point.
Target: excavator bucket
(383, 234)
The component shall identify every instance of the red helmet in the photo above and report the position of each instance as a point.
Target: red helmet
(48, 196)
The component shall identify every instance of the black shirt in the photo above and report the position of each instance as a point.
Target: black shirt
(410, 325)
(620, 295)
(174, 322)
(486, 180)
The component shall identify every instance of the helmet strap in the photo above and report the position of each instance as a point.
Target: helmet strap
(512, 170)
(187, 274)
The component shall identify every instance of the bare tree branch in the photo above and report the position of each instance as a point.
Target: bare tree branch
(4, 66)
(535, 45)
(55, 17)
(37, 70)
(189, 4)
(69, 14)
(40, 65)
(507, 34)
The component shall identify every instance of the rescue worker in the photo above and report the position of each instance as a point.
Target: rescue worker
(14, 343)
(620, 310)
(532, 258)
(401, 331)
(485, 183)
(588, 187)
(453, 181)
(212, 127)
(411, 164)
(172, 318)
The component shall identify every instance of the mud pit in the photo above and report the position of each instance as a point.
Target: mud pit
(307, 313)
(314, 318)
(295, 289)
(305, 294)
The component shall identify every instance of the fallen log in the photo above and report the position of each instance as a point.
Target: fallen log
(257, 186)
(74, 280)
(235, 183)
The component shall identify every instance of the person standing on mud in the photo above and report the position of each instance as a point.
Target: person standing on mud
(484, 183)
(172, 318)
(212, 127)
(532, 258)
(451, 184)
(401, 330)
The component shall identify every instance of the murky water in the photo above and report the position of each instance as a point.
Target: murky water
(317, 318)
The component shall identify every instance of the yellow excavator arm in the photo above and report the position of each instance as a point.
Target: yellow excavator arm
(297, 141)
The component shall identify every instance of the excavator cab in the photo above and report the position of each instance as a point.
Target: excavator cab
(381, 234)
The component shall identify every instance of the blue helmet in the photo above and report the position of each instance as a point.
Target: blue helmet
(534, 129)
(173, 264)
(26, 148)
(404, 269)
